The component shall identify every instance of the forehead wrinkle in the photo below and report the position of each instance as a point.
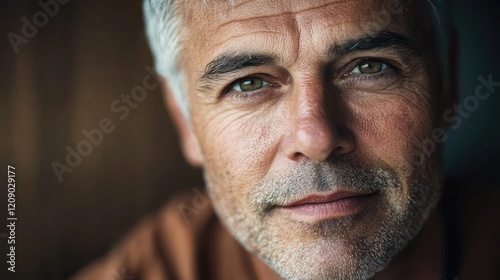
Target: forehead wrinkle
(281, 13)
(236, 6)
(262, 18)
(342, 24)
(298, 11)
(246, 34)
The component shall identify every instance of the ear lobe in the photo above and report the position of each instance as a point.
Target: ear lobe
(189, 142)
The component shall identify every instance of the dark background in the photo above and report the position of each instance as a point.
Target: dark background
(66, 77)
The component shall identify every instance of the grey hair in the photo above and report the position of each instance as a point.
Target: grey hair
(163, 22)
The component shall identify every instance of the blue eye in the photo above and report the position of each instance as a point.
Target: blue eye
(249, 84)
(370, 66)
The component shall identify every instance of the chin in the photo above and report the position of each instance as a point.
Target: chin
(325, 259)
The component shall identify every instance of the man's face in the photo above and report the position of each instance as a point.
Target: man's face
(307, 114)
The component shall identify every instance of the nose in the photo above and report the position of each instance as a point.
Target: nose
(319, 128)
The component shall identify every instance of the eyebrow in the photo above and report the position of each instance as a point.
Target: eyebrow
(230, 62)
(383, 39)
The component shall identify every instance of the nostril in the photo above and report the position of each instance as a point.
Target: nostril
(297, 156)
(340, 150)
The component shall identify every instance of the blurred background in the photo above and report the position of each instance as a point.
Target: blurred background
(67, 76)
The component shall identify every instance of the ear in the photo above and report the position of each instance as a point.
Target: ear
(189, 142)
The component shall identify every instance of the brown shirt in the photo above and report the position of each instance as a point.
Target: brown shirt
(186, 241)
(178, 244)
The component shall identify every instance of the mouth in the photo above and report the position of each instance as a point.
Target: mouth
(316, 207)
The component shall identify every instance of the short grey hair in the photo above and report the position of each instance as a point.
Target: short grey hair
(163, 22)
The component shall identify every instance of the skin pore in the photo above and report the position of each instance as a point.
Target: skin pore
(293, 98)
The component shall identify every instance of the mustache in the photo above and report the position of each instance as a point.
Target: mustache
(311, 177)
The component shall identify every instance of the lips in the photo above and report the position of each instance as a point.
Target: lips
(317, 198)
(338, 204)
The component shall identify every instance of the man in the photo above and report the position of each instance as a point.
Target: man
(311, 121)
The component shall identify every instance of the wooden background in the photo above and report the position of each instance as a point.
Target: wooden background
(61, 82)
(64, 79)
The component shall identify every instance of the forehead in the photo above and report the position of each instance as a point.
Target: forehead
(215, 12)
(213, 27)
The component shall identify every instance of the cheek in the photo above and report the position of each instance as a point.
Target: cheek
(389, 127)
(238, 148)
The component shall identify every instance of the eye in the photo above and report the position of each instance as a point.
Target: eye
(249, 84)
(370, 66)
